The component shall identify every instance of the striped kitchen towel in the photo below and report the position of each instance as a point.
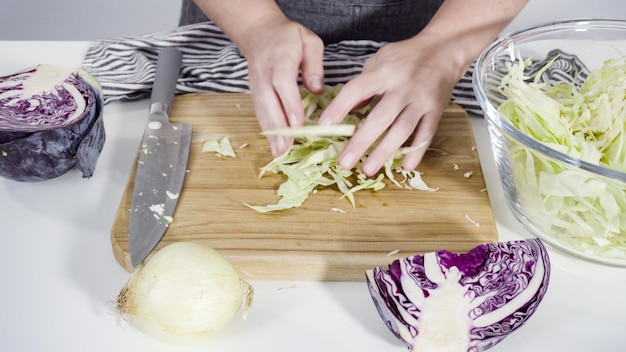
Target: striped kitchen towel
(125, 67)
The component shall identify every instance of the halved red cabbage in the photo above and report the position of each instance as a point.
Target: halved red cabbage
(447, 302)
(50, 121)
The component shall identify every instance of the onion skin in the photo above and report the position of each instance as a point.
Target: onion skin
(183, 293)
(32, 156)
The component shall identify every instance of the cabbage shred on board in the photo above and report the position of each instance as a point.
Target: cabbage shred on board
(312, 160)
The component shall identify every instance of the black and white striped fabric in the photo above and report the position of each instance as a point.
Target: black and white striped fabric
(125, 67)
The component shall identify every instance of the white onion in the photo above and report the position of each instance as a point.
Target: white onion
(184, 292)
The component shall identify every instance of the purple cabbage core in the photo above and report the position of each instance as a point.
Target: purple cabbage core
(492, 275)
(56, 129)
(43, 111)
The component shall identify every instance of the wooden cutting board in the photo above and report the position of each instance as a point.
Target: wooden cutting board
(315, 241)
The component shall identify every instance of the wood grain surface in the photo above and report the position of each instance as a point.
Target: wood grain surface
(315, 242)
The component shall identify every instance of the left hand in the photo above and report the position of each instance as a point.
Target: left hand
(414, 81)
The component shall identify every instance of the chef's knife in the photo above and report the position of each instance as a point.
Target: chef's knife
(161, 165)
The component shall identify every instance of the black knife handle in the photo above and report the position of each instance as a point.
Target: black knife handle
(166, 77)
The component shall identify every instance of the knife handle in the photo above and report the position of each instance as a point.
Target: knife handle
(165, 79)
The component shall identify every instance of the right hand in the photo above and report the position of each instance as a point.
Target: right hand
(276, 50)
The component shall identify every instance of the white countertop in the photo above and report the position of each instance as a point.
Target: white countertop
(58, 274)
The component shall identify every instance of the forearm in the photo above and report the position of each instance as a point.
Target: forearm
(470, 25)
(234, 21)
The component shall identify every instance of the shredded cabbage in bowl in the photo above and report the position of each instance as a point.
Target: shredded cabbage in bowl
(578, 198)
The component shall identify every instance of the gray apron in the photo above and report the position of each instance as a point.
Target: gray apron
(333, 21)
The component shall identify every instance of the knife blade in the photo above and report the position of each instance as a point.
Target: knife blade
(161, 165)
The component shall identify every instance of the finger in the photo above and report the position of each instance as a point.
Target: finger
(397, 134)
(352, 94)
(285, 83)
(374, 125)
(424, 134)
(270, 115)
(313, 63)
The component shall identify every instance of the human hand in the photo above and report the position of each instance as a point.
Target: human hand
(414, 80)
(276, 49)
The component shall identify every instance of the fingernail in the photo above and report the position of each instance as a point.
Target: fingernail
(278, 146)
(324, 122)
(293, 121)
(368, 168)
(347, 160)
(275, 144)
(316, 83)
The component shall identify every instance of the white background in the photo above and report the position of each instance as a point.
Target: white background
(91, 20)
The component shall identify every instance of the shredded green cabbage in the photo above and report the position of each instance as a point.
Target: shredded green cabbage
(221, 147)
(580, 209)
(312, 160)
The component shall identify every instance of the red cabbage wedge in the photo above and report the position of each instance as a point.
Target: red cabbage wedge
(447, 302)
(50, 122)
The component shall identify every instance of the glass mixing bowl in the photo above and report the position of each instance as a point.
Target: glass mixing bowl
(576, 206)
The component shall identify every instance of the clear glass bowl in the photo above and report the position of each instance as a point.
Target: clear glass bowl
(574, 228)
